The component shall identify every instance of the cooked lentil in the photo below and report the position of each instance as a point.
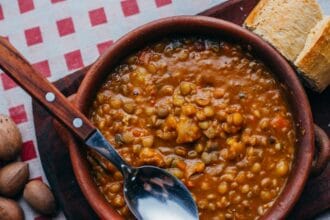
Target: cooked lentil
(206, 111)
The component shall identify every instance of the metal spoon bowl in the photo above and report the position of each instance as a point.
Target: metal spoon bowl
(157, 188)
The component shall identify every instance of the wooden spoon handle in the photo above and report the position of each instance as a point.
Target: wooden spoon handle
(18, 68)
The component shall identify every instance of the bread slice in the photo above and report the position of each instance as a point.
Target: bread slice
(284, 23)
(314, 60)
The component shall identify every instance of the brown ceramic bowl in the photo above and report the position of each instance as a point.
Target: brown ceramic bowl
(198, 25)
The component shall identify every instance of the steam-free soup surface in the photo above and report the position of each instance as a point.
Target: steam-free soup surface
(206, 111)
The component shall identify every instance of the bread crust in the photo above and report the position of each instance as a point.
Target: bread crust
(284, 23)
(251, 20)
(314, 60)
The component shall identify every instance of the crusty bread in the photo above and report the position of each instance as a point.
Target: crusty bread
(314, 60)
(284, 23)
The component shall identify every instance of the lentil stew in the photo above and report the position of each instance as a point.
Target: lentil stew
(208, 112)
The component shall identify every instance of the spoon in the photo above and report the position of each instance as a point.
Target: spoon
(150, 192)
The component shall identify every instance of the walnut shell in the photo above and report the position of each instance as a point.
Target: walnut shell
(13, 178)
(39, 197)
(10, 139)
(10, 210)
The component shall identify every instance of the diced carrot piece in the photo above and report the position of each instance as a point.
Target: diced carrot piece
(280, 122)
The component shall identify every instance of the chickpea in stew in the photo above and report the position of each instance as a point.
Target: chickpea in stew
(209, 113)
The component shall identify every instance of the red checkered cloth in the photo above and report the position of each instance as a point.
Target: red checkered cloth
(61, 36)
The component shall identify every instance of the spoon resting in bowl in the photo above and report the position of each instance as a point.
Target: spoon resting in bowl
(150, 192)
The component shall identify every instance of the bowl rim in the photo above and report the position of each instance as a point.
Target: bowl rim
(302, 161)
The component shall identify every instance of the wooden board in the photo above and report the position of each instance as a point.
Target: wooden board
(56, 161)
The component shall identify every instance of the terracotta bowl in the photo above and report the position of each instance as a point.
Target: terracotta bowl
(198, 25)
